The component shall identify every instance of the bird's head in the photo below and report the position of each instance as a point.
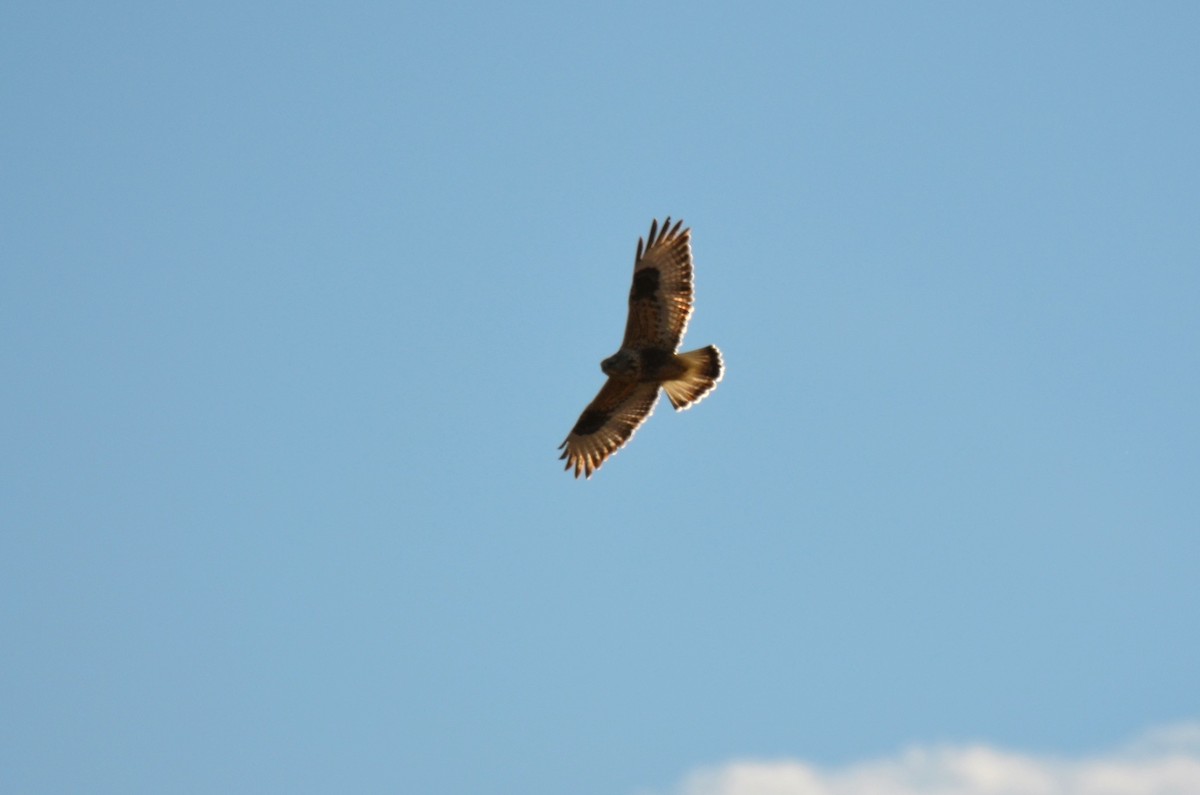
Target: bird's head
(621, 364)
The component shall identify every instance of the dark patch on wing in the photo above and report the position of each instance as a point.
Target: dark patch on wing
(645, 284)
(590, 421)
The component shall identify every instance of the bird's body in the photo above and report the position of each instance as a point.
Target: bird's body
(647, 364)
(660, 303)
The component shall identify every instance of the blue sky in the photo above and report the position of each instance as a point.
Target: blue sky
(299, 300)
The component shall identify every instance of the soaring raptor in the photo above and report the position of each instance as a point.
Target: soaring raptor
(660, 303)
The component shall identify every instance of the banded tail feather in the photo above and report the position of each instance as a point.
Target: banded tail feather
(704, 370)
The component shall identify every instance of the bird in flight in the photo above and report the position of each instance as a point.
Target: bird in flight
(660, 303)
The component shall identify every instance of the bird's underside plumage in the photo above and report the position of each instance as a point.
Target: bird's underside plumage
(660, 303)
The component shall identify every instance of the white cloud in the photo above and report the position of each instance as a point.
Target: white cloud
(1165, 761)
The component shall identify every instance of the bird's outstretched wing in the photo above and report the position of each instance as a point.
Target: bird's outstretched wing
(608, 423)
(660, 301)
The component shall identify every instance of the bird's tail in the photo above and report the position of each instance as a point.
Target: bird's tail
(703, 369)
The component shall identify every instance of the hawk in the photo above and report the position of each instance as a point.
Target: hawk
(660, 303)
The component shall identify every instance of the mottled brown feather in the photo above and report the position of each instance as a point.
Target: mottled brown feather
(608, 423)
(660, 300)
